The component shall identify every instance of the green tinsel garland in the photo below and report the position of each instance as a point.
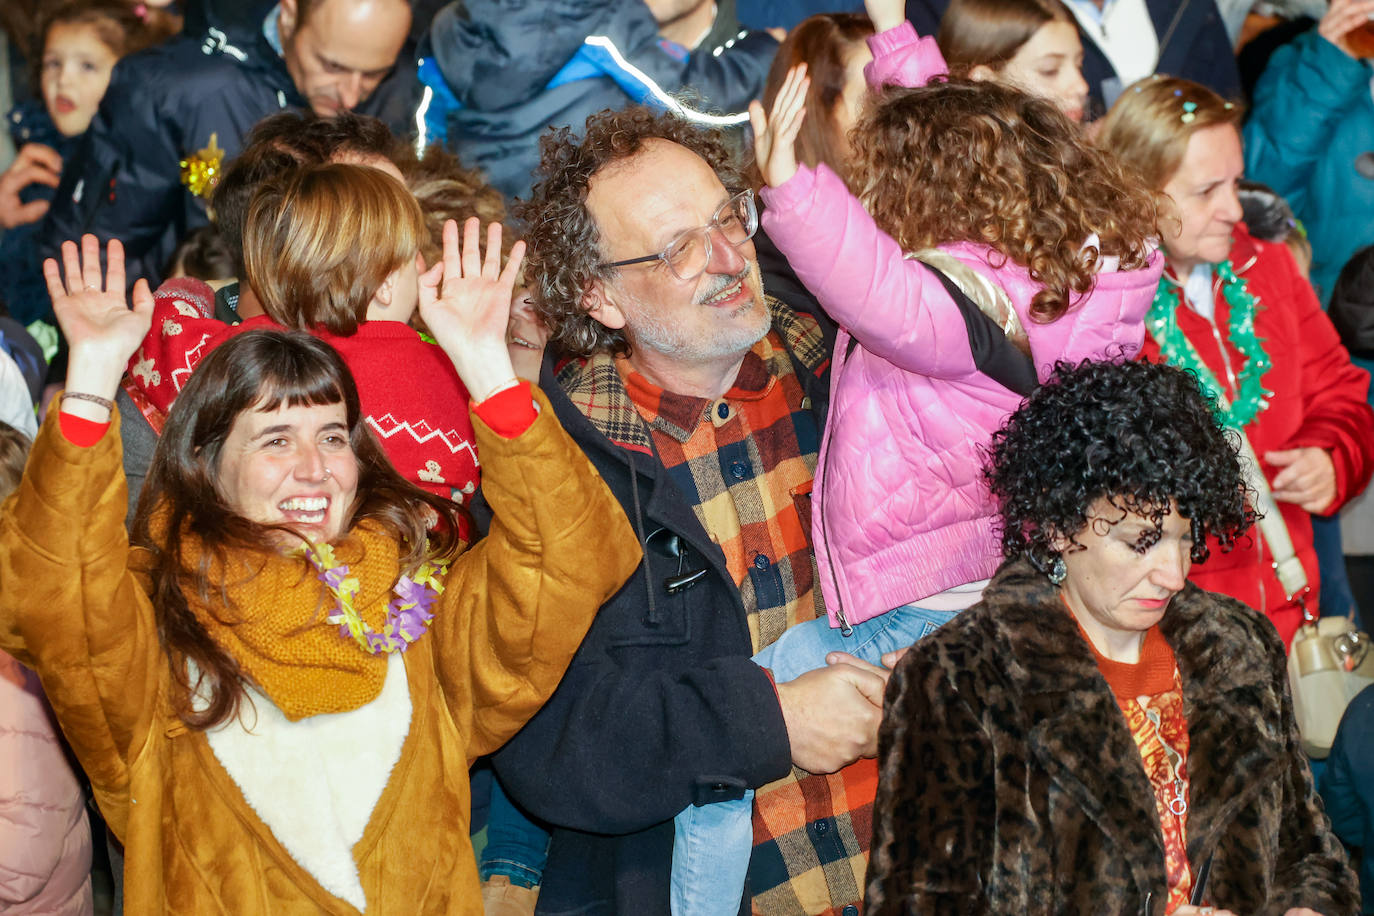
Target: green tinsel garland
(1162, 323)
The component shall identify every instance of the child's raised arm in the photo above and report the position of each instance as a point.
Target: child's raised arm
(895, 307)
(885, 14)
(900, 56)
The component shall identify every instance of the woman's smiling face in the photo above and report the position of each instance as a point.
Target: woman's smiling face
(292, 466)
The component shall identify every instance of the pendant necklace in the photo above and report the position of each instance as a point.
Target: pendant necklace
(1178, 804)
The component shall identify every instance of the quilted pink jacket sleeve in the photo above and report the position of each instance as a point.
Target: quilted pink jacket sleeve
(903, 58)
(895, 307)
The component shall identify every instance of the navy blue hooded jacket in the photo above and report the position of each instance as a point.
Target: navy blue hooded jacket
(498, 73)
(163, 105)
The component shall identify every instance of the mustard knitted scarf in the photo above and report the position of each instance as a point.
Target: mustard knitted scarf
(269, 614)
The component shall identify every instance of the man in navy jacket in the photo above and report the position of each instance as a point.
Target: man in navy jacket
(706, 431)
(174, 113)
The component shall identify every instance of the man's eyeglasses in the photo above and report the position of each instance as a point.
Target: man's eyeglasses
(687, 255)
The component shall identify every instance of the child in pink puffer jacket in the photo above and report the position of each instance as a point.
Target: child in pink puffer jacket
(988, 241)
(1002, 193)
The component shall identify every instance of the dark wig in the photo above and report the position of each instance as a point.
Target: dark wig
(1140, 434)
(182, 502)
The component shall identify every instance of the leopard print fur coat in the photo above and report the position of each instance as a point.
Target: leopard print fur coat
(1011, 784)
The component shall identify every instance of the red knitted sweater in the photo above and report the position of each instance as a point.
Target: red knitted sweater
(410, 392)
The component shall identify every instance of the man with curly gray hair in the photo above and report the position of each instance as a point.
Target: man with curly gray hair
(584, 292)
(701, 401)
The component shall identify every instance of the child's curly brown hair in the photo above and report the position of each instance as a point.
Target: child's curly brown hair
(964, 161)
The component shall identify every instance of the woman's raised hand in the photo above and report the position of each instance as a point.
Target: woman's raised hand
(101, 329)
(1343, 17)
(886, 14)
(775, 133)
(466, 299)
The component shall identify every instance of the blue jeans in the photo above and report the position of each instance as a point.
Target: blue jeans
(711, 843)
(1338, 598)
(516, 846)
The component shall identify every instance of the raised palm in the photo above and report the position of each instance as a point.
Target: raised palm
(775, 133)
(92, 309)
(466, 300)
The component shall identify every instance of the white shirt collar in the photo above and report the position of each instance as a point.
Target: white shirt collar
(1198, 293)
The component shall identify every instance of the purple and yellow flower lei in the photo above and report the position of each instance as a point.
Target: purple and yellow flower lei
(407, 615)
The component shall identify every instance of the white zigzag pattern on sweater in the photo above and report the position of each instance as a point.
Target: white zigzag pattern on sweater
(387, 426)
(189, 362)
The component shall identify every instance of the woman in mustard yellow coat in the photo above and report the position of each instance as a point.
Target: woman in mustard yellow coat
(278, 689)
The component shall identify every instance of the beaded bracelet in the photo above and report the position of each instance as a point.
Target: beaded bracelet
(93, 398)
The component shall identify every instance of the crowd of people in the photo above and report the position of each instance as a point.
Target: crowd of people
(683, 456)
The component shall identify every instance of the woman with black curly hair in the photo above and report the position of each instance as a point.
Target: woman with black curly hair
(1098, 735)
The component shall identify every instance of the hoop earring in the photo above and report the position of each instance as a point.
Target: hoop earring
(1058, 572)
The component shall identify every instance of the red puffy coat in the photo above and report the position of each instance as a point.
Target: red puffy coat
(1319, 400)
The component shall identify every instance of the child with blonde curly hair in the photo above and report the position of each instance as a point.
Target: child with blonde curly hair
(957, 187)
(981, 240)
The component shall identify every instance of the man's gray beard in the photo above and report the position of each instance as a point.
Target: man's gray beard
(649, 329)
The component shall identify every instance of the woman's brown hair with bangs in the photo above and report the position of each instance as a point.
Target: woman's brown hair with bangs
(963, 161)
(320, 242)
(182, 499)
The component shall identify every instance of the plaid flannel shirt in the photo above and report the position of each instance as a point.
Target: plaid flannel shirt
(745, 462)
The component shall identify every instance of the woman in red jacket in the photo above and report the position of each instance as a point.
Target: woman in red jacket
(1237, 312)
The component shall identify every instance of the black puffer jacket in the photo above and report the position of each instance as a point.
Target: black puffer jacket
(509, 69)
(163, 105)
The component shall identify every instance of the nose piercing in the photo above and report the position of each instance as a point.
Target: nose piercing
(327, 474)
